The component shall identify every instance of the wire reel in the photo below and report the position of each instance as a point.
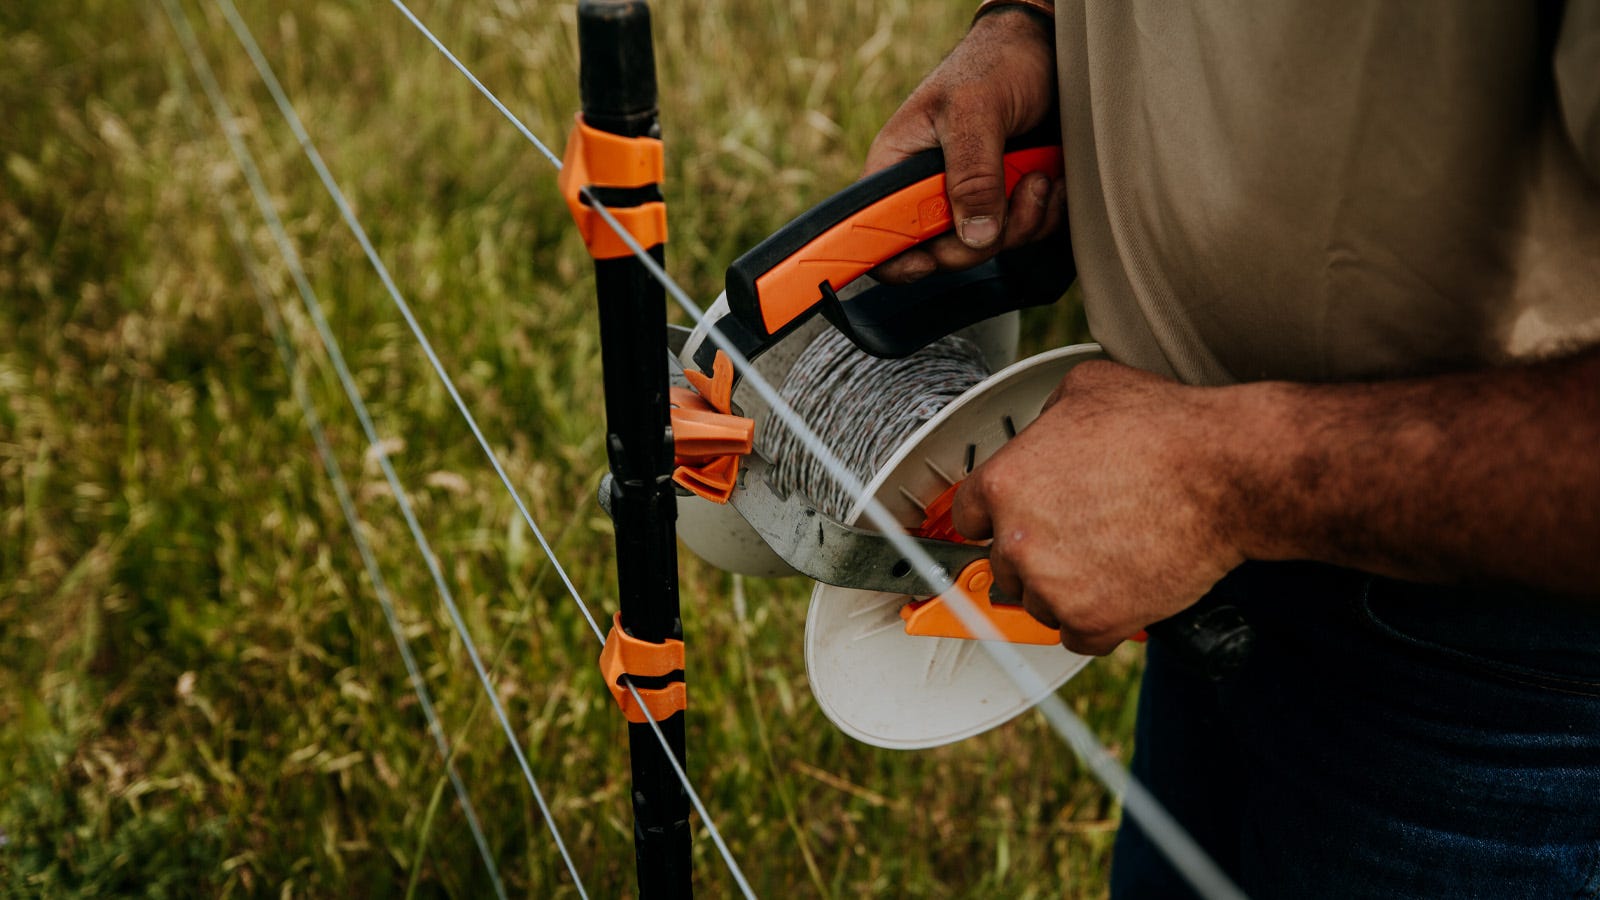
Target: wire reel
(715, 532)
(874, 681)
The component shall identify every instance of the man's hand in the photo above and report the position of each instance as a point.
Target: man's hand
(1102, 516)
(999, 82)
(1131, 494)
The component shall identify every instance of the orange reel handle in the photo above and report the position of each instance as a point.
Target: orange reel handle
(774, 285)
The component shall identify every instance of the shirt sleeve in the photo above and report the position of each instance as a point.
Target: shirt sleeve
(1577, 71)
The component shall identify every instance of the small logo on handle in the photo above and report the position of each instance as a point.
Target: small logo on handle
(933, 210)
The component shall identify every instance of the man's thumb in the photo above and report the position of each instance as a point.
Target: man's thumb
(975, 180)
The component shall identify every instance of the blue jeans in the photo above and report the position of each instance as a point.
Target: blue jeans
(1383, 740)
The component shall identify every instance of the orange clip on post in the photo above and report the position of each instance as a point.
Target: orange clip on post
(595, 158)
(625, 655)
(934, 618)
(707, 438)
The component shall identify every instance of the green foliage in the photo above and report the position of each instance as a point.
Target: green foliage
(198, 693)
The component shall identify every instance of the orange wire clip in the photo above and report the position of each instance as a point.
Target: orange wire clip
(626, 656)
(595, 158)
(707, 438)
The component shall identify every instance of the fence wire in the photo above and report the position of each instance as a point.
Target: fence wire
(331, 345)
(1138, 803)
(1186, 855)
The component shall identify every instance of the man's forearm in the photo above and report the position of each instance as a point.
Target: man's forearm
(1489, 476)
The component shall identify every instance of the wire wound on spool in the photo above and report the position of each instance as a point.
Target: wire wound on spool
(863, 408)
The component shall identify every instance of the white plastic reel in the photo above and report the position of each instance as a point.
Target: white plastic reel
(889, 689)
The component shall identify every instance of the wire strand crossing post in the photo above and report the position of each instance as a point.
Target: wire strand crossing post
(618, 82)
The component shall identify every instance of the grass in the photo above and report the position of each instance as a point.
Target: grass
(198, 694)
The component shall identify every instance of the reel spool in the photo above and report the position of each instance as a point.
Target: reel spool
(716, 532)
(890, 689)
(876, 683)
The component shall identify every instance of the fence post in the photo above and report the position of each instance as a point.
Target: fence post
(618, 82)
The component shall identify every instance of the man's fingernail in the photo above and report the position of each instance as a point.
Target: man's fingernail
(1040, 189)
(979, 231)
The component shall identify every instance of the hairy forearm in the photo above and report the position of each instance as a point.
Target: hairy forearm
(1487, 476)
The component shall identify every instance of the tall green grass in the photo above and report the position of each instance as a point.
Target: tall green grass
(198, 694)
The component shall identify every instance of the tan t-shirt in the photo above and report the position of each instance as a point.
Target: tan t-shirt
(1333, 190)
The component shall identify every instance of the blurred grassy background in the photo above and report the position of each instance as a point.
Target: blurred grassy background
(198, 695)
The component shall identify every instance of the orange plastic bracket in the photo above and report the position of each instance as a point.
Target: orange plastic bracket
(933, 618)
(595, 158)
(707, 438)
(939, 523)
(700, 435)
(625, 655)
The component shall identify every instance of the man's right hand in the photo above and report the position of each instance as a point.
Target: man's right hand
(999, 82)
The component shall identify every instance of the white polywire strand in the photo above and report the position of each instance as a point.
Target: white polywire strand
(863, 407)
(347, 212)
(336, 356)
(1186, 856)
(330, 463)
(380, 586)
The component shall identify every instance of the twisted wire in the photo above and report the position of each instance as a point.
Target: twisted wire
(863, 407)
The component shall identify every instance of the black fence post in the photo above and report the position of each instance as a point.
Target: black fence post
(618, 81)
